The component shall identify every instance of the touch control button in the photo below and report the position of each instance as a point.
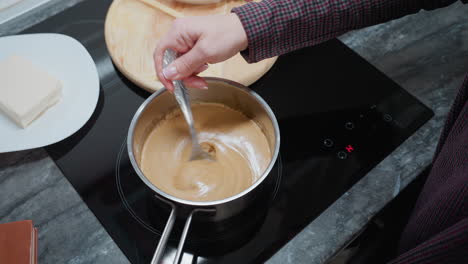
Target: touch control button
(328, 143)
(342, 155)
(349, 125)
(387, 118)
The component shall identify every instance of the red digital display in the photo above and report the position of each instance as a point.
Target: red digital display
(349, 148)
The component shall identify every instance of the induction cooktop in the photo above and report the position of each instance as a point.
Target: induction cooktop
(338, 115)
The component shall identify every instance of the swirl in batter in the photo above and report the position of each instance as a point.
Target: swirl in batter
(239, 147)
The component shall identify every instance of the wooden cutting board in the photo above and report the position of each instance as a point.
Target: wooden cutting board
(132, 30)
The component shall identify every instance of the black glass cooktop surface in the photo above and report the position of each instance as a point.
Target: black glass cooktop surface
(338, 116)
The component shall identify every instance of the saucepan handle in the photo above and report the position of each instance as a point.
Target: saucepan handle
(165, 237)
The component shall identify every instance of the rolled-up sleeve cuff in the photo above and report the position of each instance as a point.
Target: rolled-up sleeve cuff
(256, 18)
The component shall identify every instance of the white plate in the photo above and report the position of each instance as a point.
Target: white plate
(67, 60)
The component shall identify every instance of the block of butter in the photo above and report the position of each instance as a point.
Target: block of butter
(26, 90)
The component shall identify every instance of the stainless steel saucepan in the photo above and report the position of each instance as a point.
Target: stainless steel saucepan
(221, 91)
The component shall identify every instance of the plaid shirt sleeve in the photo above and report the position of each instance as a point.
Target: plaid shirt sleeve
(275, 27)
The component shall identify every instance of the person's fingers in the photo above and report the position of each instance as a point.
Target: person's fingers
(172, 40)
(186, 64)
(202, 68)
(191, 81)
(195, 82)
(158, 61)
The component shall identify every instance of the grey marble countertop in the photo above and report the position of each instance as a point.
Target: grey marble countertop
(426, 53)
(34, 16)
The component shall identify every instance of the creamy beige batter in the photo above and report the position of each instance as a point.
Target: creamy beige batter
(239, 147)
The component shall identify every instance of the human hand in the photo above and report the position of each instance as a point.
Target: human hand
(198, 40)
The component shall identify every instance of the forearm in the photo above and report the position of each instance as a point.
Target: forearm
(275, 27)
